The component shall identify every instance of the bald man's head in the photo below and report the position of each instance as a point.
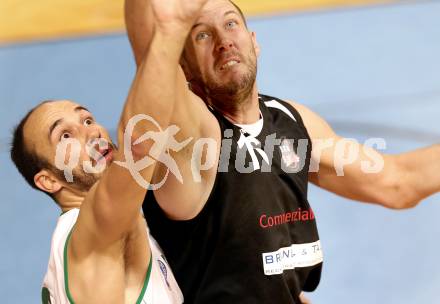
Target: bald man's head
(36, 140)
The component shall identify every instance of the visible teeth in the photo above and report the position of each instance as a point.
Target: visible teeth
(229, 64)
(103, 154)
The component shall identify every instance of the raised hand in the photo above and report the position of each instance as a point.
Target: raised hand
(174, 15)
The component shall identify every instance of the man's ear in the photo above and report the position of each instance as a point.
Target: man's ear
(47, 182)
(255, 43)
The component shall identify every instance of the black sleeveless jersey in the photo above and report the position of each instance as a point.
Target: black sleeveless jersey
(255, 240)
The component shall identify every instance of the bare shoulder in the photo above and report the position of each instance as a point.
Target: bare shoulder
(305, 112)
(315, 124)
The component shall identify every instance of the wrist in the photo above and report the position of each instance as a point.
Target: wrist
(173, 29)
(170, 38)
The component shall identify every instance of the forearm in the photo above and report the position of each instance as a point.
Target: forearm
(139, 22)
(404, 181)
(119, 195)
(369, 177)
(116, 200)
(154, 90)
(393, 181)
(417, 175)
(159, 80)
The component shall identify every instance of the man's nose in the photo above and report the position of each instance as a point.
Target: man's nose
(224, 44)
(93, 133)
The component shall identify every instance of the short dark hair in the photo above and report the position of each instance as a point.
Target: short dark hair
(28, 162)
(240, 11)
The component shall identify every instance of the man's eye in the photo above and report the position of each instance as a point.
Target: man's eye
(231, 24)
(202, 35)
(88, 122)
(65, 135)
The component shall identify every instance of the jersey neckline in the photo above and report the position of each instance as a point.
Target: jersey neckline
(253, 129)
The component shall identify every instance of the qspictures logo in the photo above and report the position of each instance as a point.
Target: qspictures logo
(345, 152)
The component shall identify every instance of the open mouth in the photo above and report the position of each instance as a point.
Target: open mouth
(228, 60)
(106, 154)
(228, 64)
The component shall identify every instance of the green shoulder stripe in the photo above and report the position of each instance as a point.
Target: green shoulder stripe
(66, 276)
(45, 296)
(147, 280)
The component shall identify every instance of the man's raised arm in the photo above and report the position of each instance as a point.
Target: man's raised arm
(116, 200)
(139, 21)
(181, 196)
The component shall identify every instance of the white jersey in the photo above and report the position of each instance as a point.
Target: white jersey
(160, 285)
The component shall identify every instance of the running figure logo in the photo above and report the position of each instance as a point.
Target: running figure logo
(164, 141)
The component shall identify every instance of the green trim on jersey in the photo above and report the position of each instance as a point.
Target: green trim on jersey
(66, 274)
(45, 296)
(146, 281)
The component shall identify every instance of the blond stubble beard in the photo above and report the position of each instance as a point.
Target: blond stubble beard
(230, 96)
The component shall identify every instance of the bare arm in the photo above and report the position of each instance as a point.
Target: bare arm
(419, 172)
(112, 207)
(180, 199)
(140, 26)
(398, 181)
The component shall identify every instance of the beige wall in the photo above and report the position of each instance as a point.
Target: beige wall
(50, 19)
